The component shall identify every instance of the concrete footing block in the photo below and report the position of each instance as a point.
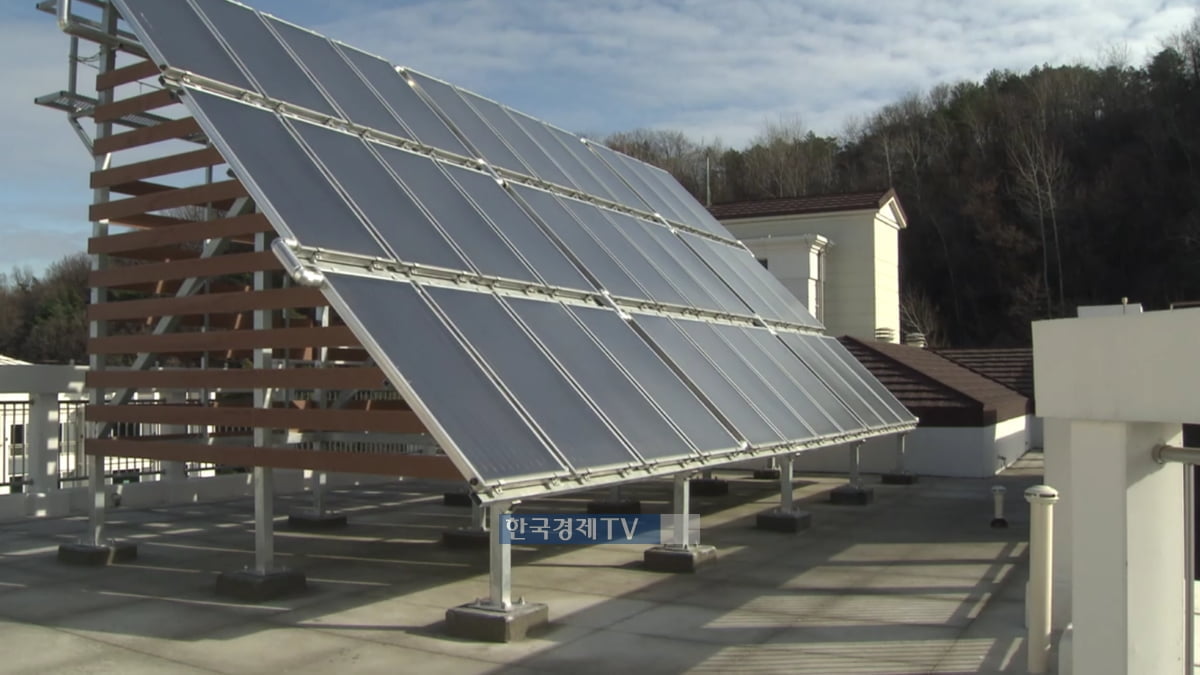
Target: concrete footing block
(851, 495)
(477, 621)
(456, 499)
(252, 586)
(615, 507)
(466, 537)
(766, 474)
(708, 487)
(778, 520)
(904, 478)
(678, 560)
(97, 556)
(312, 520)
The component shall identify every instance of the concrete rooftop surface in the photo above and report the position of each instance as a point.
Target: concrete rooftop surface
(916, 582)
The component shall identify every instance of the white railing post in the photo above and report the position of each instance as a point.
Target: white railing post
(1041, 499)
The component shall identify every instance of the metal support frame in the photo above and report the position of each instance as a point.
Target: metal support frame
(1171, 453)
(479, 516)
(786, 487)
(499, 560)
(264, 519)
(681, 506)
(189, 287)
(900, 453)
(855, 464)
(97, 496)
(264, 484)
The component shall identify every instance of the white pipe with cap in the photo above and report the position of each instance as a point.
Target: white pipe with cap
(1041, 499)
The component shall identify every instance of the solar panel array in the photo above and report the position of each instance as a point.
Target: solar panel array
(557, 313)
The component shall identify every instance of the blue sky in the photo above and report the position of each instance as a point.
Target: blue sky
(714, 69)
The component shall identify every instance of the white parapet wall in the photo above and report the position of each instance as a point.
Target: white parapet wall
(961, 452)
(1111, 389)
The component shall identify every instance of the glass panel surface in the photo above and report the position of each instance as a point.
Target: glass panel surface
(404, 102)
(738, 369)
(275, 71)
(636, 232)
(541, 253)
(611, 275)
(648, 195)
(838, 377)
(183, 39)
(715, 385)
(528, 151)
(488, 431)
(808, 395)
(565, 417)
(469, 124)
(697, 270)
(608, 387)
(290, 183)
(840, 353)
(339, 80)
(640, 267)
(700, 217)
(576, 172)
(657, 379)
(460, 220)
(388, 208)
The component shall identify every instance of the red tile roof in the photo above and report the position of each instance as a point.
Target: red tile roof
(856, 201)
(1011, 367)
(938, 390)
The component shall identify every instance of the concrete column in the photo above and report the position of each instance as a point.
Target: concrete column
(1056, 456)
(41, 442)
(1128, 567)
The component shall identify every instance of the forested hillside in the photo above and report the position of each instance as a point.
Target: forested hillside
(43, 320)
(1027, 194)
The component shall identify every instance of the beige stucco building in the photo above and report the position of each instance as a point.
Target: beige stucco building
(837, 253)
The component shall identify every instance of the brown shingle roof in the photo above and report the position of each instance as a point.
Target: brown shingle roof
(938, 390)
(855, 201)
(1012, 367)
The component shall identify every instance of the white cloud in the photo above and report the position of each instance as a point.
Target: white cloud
(718, 68)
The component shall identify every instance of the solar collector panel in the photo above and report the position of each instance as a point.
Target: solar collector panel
(484, 425)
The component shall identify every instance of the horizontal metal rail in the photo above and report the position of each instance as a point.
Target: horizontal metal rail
(1170, 453)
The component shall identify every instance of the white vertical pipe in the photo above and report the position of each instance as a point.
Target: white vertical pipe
(318, 492)
(900, 452)
(500, 563)
(785, 483)
(1041, 561)
(998, 492)
(97, 497)
(855, 476)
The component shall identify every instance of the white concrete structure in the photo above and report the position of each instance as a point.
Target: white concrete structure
(963, 452)
(1111, 388)
(837, 253)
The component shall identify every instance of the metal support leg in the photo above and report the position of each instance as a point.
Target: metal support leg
(264, 519)
(785, 484)
(479, 517)
(98, 499)
(318, 492)
(855, 475)
(500, 560)
(900, 449)
(681, 507)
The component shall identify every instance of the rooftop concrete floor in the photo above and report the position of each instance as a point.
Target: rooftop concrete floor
(915, 583)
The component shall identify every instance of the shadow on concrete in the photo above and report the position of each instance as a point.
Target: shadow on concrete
(916, 582)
